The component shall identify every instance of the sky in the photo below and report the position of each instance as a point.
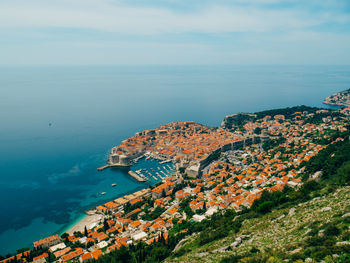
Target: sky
(155, 32)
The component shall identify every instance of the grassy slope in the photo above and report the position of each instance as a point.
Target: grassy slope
(268, 232)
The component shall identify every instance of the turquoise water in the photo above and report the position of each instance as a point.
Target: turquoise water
(48, 172)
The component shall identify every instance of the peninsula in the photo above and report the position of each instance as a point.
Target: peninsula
(340, 99)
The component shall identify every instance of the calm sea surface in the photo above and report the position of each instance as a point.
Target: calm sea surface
(48, 172)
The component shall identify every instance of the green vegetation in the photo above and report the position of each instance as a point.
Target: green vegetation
(240, 119)
(237, 121)
(155, 214)
(333, 158)
(287, 112)
(257, 130)
(317, 118)
(270, 144)
(214, 156)
(219, 226)
(128, 207)
(141, 252)
(329, 136)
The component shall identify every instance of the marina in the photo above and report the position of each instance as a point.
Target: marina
(164, 169)
(153, 173)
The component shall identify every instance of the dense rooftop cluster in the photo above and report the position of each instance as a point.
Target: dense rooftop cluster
(181, 142)
(235, 180)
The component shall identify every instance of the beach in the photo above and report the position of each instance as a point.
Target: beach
(89, 221)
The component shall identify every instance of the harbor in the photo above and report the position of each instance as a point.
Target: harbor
(155, 174)
(144, 173)
(145, 170)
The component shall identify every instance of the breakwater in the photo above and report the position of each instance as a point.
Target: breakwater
(136, 176)
(110, 166)
(131, 173)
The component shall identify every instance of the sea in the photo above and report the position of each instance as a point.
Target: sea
(59, 123)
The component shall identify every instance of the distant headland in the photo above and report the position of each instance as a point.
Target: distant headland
(339, 99)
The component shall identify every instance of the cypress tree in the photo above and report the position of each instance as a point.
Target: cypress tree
(85, 232)
(105, 225)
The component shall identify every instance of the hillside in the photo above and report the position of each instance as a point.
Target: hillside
(286, 233)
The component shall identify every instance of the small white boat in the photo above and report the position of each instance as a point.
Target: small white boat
(114, 185)
(103, 193)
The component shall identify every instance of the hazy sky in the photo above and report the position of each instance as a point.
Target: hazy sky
(174, 32)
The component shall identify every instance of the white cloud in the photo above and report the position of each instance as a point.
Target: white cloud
(107, 16)
(161, 34)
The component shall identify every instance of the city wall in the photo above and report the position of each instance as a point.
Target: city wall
(232, 147)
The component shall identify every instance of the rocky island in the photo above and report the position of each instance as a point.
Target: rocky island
(340, 99)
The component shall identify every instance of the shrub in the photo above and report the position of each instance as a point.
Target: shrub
(231, 259)
(265, 207)
(332, 230)
(209, 236)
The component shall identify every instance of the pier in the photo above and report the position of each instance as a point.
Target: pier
(131, 173)
(103, 167)
(165, 161)
(110, 166)
(136, 176)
